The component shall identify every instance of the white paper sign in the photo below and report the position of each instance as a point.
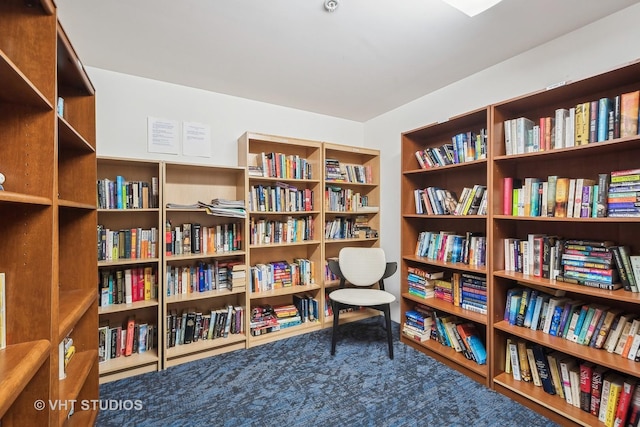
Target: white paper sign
(196, 139)
(163, 135)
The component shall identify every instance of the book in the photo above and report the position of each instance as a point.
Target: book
(597, 379)
(525, 368)
(554, 367)
(535, 374)
(561, 197)
(586, 376)
(624, 401)
(566, 363)
(629, 113)
(542, 365)
(615, 391)
(515, 360)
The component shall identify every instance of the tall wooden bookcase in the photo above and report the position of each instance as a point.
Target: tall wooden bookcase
(120, 220)
(185, 185)
(49, 218)
(584, 161)
(352, 201)
(251, 147)
(454, 178)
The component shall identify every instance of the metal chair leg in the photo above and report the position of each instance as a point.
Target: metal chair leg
(336, 321)
(387, 315)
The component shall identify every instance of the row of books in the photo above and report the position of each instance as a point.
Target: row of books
(194, 238)
(348, 228)
(133, 337)
(281, 197)
(123, 194)
(279, 165)
(611, 397)
(594, 325)
(266, 318)
(204, 277)
(611, 195)
(438, 201)
(423, 323)
(585, 123)
(347, 172)
(282, 274)
(337, 199)
(193, 324)
(294, 229)
(127, 285)
(464, 147)
(468, 291)
(469, 248)
(130, 243)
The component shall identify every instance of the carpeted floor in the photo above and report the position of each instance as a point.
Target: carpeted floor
(296, 382)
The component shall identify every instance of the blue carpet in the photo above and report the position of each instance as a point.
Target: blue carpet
(296, 382)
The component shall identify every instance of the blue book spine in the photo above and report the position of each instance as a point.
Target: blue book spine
(603, 119)
(119, 185)
(576, 332)
(555, 320)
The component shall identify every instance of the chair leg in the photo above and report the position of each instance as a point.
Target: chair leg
(387, 315)
(336, 322)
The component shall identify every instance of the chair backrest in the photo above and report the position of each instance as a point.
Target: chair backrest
(362, 266)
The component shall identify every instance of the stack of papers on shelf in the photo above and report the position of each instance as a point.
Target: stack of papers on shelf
(224, 207)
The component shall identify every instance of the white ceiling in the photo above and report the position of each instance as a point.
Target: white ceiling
(364, 59)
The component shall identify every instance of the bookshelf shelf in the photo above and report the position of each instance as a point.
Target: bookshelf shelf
(17, 87)
(451, 355)
(73, 305)
(449, 265)
(18, 364)
(133, 362)
(218, 293)
(447, 307)
(552, 403)
(202, 256)
(77, 373)
(291, 331)
(290, 290)
(205, 345)
(138, 305)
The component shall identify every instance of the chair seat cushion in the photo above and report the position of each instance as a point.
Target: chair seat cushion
(363, 297)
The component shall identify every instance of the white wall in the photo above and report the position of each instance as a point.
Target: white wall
(596, 48)
(123, 103)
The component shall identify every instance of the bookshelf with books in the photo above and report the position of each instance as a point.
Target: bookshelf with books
(556, 243)
(129, 268)
(47, 221)
(351, 209)
(204, 285)
(444, 243)
(284, 261)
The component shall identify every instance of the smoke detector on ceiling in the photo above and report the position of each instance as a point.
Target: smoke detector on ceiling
(330, 5)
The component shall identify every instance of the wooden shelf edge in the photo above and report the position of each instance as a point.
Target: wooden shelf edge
(551, 402)
(448, 307)
(283, 333)
(18, 364)
(194, 296)
(11, 197)
(76, 205)
(124, 363)
(449, 357)
(117, 308)
(73, 305)
(290, 290)
(69, 136)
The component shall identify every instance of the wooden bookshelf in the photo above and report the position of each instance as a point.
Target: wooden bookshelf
(454, 177)
(116, 221)
(184, 185)
(48, 210)
(583, 161)
(251, 148)
(359, 181)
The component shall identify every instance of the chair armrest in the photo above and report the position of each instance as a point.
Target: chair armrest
(390, 270)
(334, 266)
